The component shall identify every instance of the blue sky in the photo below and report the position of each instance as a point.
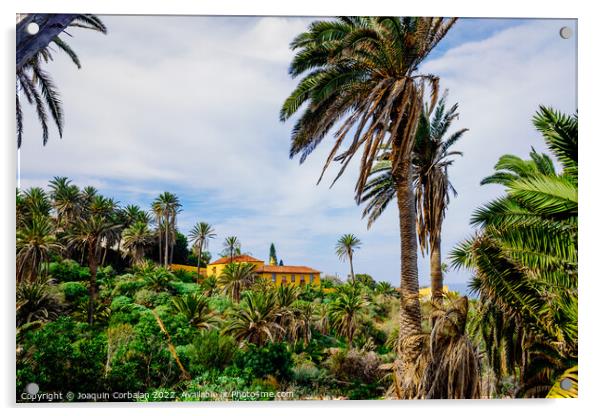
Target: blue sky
(190, 105)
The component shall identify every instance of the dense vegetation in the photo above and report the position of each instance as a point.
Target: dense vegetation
(99, 309)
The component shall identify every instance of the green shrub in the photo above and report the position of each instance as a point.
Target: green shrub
(144, 297)
(209, 350)
(68, 271)
(185, 276)
(216, 386)
(74, 291)
(180, 288)
(63, 356)
(273, 359)
(127, 285)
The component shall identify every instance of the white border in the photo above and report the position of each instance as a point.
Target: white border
(590, 149)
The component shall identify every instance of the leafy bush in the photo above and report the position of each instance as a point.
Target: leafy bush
(209, 350)
(180, 288)
(226, 386)
(355, 366)
(68, 271)
(74, 291)
(185, 276)
(272, 359)
(127, 285)
(63, 356)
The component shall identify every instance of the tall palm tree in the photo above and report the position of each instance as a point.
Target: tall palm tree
(35, 243)
(88, 234)
(345, 247)
(231, 246)
(200, 235)
(524, 255)
(136, 239)
(166, 206)
(254, 319)
(37, 86)
(431, 158)
(235, 278)
(344, 313)
(362, 73)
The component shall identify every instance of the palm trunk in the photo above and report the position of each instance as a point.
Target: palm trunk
(351, 265)
(409, 313)
(198, 262)
(436, 274)
(93, 265)
(166, 253)
(160, 240)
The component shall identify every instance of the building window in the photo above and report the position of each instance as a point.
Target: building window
(274, 277)
(283, 280)
(293, 278)
(214, 269)
(302, 280)
(311, 278)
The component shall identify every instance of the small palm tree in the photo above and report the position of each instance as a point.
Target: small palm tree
(88, 234)
(136, 239)
(35, 244)
(35, 303)
(196, 309)
(235, 278)
(254, 319)
(231, 246)
(200, 235)
(385, 288)
(346, 246)
(344, 313)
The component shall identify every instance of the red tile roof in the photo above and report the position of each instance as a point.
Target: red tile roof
(286, 269)
(236, 259)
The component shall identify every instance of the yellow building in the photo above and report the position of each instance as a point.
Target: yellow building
(425, 292)
(278, 275)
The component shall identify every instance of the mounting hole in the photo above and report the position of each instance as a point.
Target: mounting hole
(566, 384)
(33, 28)
(566, 32)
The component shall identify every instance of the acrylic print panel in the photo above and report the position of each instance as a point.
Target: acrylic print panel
(172, 243)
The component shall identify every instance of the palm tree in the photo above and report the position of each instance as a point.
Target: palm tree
(385, 288)
(235, 278)
(35, 244)
(200, 235)
(136, 239)
(431, 158)
(38, 87)
(345, 247)
(344, 313)
(66, 200)
(362, 75)
(231, 246)
(31, 203)
(166, 206)
(35, 303)
(87, 234)
(195, 309)
(524, 255)
(254, 319)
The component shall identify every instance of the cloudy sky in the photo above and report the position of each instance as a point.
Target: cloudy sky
(190, 105)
